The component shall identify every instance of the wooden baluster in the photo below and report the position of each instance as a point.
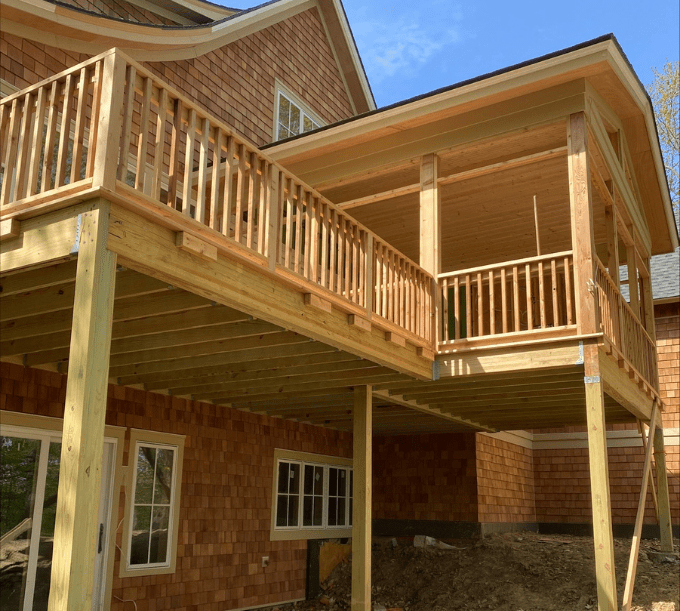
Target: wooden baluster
(385, 280)
(289, 222)
(253, 196)
(504, 301)
(215, 178)
(355, 264)
(36, 141)
(445, 310)
(480, 304)
(23, 152)
(541, 294)
(333, 249)
(299, 221)
(175, 141)
(10, 152)
(50, 138)
(456, 308)
(314, 245)
(567, 291)
(159, 148)
(79, 130)
(265, 194)
(241, 186)
(274, 216)
(189, 164)
(561, 299)
(409, 288)
(348, 256)
(306, 244)
(140, 178)
(324, 213)
(391, 282)
(126, 131)
(492, 304)
(229, 202)
(553, 278)
(94, 119)
(468, 306)
(530, 304)
(64, 134)
(515, 299)
(204, 150)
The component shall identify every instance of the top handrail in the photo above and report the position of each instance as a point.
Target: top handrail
(528, 260)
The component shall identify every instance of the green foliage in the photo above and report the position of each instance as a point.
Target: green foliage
(665, 95)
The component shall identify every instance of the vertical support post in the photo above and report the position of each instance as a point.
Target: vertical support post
(84, 416)
(612, 244)
(363, 499)
(648, 300)
(663, 496)
(599, 483)
(631, 263)
(110, 119)
(430, 232)
(582, 237)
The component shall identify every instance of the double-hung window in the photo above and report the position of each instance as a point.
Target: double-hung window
(312, 496)
(292, 116)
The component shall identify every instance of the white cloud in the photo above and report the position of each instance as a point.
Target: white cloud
(403, 44)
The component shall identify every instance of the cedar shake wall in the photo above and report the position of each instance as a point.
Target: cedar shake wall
(505, 481)
(226, 493)
(425, 477)
(120, 9)
(234, 83)
(562, 475)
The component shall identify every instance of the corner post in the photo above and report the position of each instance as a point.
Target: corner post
(582, 237)
(84, 416)
(603, 537)
(363, 499)
(110, 118)
(665, 524)
(431, 231)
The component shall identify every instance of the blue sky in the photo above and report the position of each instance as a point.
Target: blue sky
(410, 48)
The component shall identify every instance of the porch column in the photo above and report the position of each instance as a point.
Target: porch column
(665, 524)
(587, 313)
(633, 286)
(582, 237)
(603, 537)
(430, 215)
(612, 243)
(363, 499)
(83, 437)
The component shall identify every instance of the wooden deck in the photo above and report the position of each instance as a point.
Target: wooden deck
(239, 284)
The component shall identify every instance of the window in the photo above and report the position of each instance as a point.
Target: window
(154, 480)
(312, 496)
(293, 117)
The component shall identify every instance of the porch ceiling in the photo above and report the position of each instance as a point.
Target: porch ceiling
(171, 341)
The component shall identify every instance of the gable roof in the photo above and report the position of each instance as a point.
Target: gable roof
(66, 27)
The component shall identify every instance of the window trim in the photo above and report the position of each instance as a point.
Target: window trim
(292, 533)
(138, 436)
(281, 89)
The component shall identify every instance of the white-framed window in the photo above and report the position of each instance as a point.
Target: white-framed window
(312, 496)
(293, 117)
(153, 500)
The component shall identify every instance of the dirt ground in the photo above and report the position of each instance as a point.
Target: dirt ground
(510, 572)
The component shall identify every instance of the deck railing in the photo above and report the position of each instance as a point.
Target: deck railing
(110, 123)
(527, 297)
(623, 328)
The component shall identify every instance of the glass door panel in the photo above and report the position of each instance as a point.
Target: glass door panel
(19, 467)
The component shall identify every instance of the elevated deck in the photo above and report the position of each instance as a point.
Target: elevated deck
(239, 284)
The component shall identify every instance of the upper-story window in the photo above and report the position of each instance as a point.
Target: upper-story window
(292, 116)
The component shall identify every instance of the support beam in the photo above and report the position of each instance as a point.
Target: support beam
(430, 216)
(86, 387)
(663, 496)
(599, 484)
(637, 532)
(582, 236)
(363, 499)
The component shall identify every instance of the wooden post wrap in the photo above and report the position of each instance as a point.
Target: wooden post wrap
(431, 231)
(84, 416)
(361, 528)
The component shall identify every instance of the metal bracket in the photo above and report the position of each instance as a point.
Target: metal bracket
(591, 379)
(435, 370)
(581, 356)
(76, 244)
(590, 285)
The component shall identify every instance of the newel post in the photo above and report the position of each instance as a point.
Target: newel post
(112, 91)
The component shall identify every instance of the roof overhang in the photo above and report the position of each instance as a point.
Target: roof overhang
(405, 128)
(81, 31)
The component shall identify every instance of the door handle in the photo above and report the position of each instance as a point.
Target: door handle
(100, 546)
